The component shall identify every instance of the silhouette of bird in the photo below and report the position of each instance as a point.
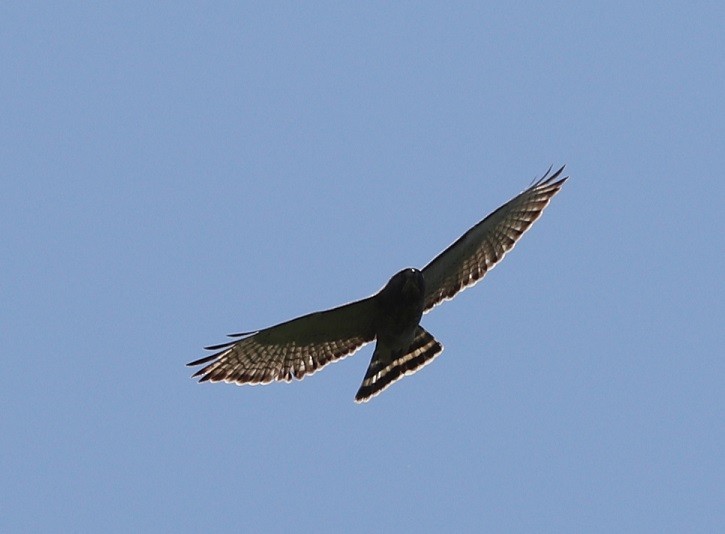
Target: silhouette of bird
(391, 317)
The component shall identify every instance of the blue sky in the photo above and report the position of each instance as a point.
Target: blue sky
(173, 172)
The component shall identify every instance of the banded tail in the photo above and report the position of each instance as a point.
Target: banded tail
(385, 369)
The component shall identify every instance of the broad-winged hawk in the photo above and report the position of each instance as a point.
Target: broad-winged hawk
(391, 317)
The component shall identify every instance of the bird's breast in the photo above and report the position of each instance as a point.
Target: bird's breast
(397, 319)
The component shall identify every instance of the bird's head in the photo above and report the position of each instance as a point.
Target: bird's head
(408, 283)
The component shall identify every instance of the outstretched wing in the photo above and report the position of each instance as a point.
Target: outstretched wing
(477, 251)
(292, 349)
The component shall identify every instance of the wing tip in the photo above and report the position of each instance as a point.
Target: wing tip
(550, 179)
(242, 334)
(200, 361)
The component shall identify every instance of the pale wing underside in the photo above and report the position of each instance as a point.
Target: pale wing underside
(292, 349)
(468, 260)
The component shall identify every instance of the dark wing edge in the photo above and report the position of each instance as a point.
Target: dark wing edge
(290, 350)
(476, 252)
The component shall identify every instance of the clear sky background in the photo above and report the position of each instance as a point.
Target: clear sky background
(173, 172)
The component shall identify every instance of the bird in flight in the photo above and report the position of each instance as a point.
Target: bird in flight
(391, 317)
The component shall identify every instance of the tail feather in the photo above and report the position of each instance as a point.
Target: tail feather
(384, 370)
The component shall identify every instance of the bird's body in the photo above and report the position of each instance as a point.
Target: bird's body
(391, 317)
(402, 346)
(400, 308)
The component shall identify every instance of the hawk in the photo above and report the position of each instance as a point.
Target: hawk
(391, 317)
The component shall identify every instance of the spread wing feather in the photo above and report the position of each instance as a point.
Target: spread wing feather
(292, 349)
(477, 251)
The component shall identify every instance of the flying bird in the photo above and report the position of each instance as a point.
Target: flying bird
(391, 317)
